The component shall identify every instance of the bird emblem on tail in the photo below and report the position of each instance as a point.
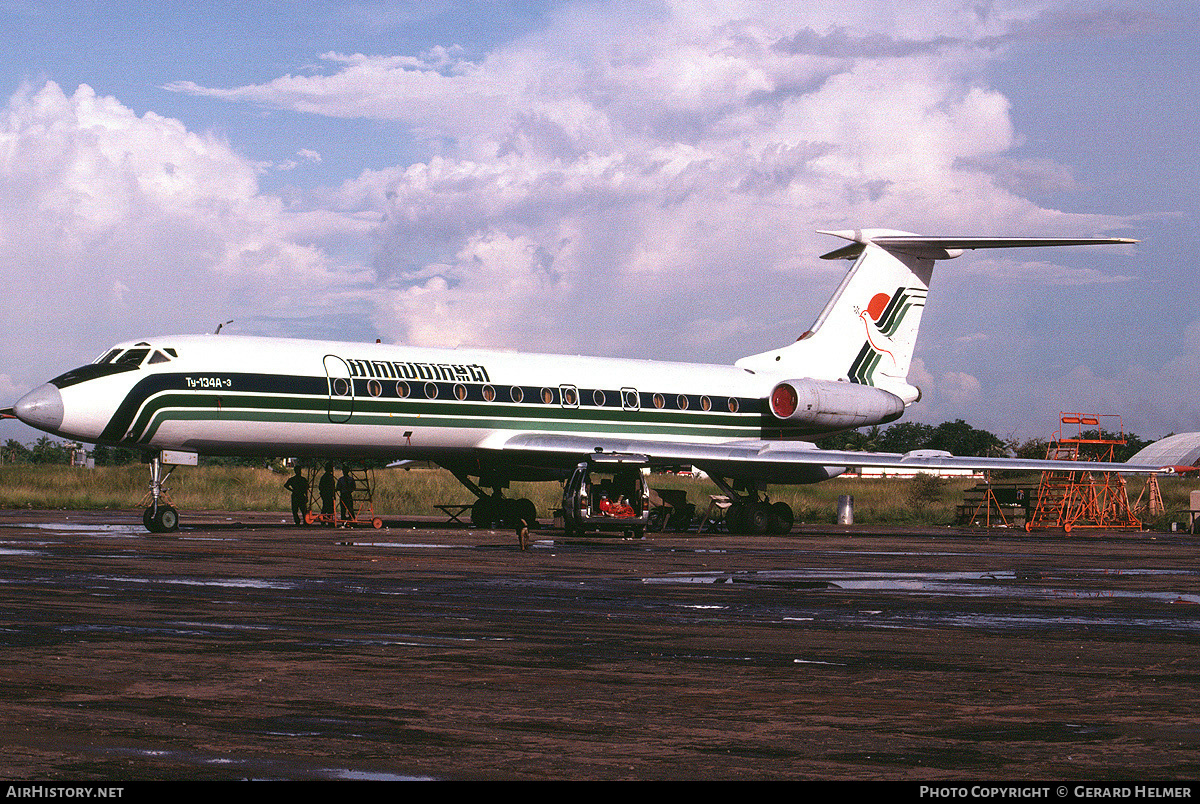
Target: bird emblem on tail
(882, 319)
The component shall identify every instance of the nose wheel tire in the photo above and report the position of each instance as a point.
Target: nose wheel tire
(161, 519)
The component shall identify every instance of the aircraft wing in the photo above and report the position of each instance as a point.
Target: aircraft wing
(791, 461)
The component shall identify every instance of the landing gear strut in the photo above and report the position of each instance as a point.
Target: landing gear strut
(493, 510)
(753, 512)
(159, 516)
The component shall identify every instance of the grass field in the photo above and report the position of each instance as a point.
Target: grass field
(400, 492)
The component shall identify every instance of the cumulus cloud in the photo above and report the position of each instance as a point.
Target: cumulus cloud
(660, 154)
(438, 89)
(303, 156)
(959, 387)
(1040, 272)
(627, 170)
(666, 165)
(117, 225)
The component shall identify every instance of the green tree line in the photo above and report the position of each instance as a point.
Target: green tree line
(48, 451)
(959, 438)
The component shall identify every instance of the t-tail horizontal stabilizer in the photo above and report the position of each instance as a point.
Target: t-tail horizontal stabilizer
(947, 248)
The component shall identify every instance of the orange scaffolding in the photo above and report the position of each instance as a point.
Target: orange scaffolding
(1084, 498)
(355, 508)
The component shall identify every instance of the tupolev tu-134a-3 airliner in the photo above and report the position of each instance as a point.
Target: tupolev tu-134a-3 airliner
(504, 416)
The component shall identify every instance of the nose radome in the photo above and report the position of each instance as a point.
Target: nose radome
(41, 408)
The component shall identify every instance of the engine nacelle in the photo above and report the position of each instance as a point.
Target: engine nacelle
(834, 404)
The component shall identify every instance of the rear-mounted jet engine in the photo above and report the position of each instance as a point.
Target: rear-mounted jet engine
(834, 404)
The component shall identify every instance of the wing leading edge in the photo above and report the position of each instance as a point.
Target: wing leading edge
(943, 248)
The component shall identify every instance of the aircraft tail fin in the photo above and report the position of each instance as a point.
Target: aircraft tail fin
(868, 330)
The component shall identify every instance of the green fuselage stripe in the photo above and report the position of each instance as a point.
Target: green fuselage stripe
(186, 406)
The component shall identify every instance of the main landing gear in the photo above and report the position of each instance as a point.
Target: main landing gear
(496, 511)
(753, 512)
(492, 511)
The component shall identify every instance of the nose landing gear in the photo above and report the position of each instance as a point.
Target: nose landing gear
(159, 515)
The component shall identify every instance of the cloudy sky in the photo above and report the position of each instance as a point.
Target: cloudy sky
(621, 178)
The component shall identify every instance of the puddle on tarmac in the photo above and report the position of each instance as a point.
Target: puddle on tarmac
(223, 626)
(240, 583)
(1019, 621)
(12, 551)
(416, 545)
(94, 528)
(972, 583)
(246, 768)
(1015, 585)
(370, 776)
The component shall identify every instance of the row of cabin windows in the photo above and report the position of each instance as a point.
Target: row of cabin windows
(568, 396)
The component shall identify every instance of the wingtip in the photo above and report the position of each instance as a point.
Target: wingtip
(845, 234)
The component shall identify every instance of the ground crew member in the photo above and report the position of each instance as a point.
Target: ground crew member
(327, 487)
(297, 484)
(345, 490)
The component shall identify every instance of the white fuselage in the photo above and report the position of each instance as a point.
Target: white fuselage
(223, 394)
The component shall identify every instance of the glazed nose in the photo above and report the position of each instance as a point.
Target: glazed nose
(41, 408)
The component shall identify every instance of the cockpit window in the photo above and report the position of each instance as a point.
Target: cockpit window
(132, 357)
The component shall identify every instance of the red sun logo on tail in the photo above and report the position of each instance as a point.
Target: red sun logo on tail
(879, 303)
(875, 309)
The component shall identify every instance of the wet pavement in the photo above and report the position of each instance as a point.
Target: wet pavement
(243, 647)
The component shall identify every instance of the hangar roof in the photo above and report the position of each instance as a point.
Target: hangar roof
(1181, 449)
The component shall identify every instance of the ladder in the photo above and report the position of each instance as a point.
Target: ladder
(1075, 498)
